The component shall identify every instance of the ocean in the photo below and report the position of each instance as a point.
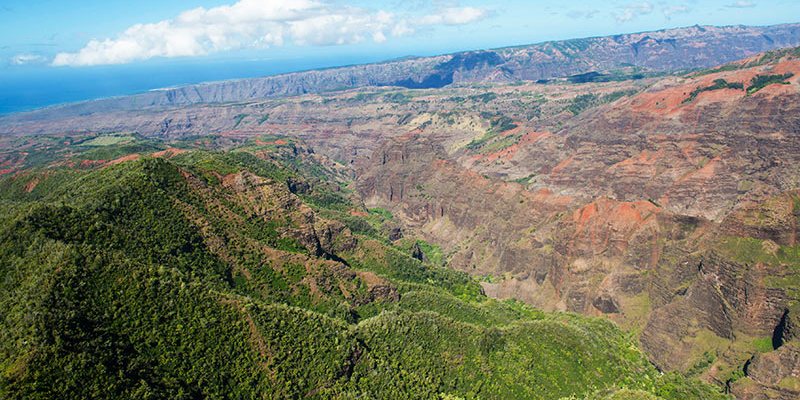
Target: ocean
(28, 88)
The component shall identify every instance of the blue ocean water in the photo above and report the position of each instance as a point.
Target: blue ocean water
(28, 88)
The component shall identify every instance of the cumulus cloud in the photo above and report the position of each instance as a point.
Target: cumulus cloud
(587, 14)
(669, 11)
(455, 16)
(741, 4)
(632, 11)
(258, 24)
(25, 59)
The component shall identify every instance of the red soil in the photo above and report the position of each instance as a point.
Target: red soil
(706, 172)
(410, 134)
(546, 196)
(645, 158)
(564, 164)
(129, 157)
(514, 131)
(91, 163)
(371, 279)
(670, 101)
(509, 152)
(168, 153)
(605, 220)
(279, 142)
(358, 213)
(31, 185)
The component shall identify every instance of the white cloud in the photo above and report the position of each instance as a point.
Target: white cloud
(741, 4)
(455, 16)
(674, 10)
(587, 14)
(25, 59)
(633, 10)
(258, 24)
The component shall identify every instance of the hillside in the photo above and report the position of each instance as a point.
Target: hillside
(248, 273)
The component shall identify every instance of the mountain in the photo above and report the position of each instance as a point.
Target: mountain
(185, 273)
(668, 205)
(672, 210)
(632, 54)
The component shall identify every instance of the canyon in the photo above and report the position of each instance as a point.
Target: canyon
(658, 194)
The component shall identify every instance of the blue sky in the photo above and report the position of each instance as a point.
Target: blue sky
(81, 33)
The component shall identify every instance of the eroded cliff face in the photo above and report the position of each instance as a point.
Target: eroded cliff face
(674, 278)
(483, 223)
(672, 214)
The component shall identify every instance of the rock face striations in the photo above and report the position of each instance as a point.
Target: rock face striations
(673, 211)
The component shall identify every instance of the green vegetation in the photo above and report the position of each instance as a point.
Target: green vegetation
(724, 68)
(614, 96)
(362, 97)
(498, 125)
(500, 144)
(484, 97)
(205, 276)
(397, 97)
(775, 55)
(761, 81)
(718, 85)
(752, 251)
(433, 253)
(480, 142)
(736, 375)
(768, 58)
(490, 313)
(503, 124)
(382, 213)
(525, 180)
(238, 120)
(627, 394)
(109, 140)
(615, 76)
(47, 150)
(763, 345)
(702, 365)
(584, 102)
(107, 153)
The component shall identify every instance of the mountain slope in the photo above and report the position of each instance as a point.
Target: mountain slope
(672, 211)
(250, 274)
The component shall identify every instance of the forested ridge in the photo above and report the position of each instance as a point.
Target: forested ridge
(255, 273)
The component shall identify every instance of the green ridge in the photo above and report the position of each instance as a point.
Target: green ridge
(176, 279)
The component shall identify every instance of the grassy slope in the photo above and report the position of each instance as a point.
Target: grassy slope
(151, 279)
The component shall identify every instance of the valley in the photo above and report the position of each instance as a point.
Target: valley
(637, 235)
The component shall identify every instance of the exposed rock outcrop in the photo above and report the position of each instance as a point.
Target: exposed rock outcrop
(774, 375)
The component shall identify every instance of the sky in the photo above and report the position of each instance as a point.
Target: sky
(60, 51)
(88, 33)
